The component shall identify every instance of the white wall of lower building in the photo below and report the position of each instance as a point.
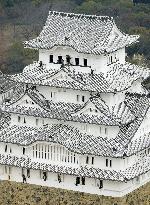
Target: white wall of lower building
(110, 188)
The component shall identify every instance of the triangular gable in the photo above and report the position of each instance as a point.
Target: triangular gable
(26, 101)
(61, 75)
(90, 109)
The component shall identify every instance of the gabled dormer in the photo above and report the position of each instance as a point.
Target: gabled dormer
(95, 106)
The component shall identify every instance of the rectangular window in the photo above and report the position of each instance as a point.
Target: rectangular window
(77, 180)
(19, 118)
(100, 130)
(24, 120)
(6, 148)
(110, 163)
(78, 98)
(76, 61)
(106, 162)
(106, 131)
(53, 94)
(5, 169)
(68, 58)
(87, 160)
(59, 59)
(92, 160)
(85, 62)
(23, 150)
(51, 58)
(101, 184)
(37, 122)
(83, 98)
(83, 180)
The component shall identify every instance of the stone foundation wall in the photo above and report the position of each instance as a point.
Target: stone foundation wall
(13, 193)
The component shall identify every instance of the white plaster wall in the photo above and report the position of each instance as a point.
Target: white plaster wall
(31, 121)
(63, 95)
(97, 62)
(110, 188)
(112, 99)
(96, 130)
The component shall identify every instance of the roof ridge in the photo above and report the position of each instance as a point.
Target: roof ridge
(65, 14)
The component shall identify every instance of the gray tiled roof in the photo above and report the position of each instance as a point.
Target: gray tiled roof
(36, 75)
(84, 33)
(61, 111)
(122, 76)
(65, 135)
(139, 168)
(139, 105)
(118, 78)
(80, 171)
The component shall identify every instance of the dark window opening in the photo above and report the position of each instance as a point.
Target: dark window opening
(77, 61)
(24, 120)
(87, 160)
(85, 62)
(110, 163)
(23, 150)
(77, 180)
(51, 58)
(59, 178)
(83, 98)
(111, 59)
(106, 162)
(60, 59)
(68, 58)
(40, 64)
(6, 148)
(44, 176)
(36, 154)
(101, 184)
(83, 180)
(19, 118)
(92, 160)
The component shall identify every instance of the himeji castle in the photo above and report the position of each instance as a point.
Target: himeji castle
(77, 119)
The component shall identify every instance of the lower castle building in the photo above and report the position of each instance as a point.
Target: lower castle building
(77, 119)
